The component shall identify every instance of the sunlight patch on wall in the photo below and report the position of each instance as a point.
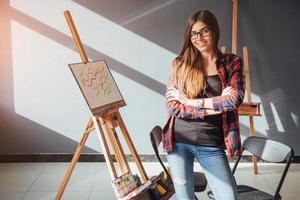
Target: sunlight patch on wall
(103, 35)
(276, 118)
(295, 119)
(46, 92)
(260, 122)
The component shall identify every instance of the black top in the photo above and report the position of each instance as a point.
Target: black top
(207, 131)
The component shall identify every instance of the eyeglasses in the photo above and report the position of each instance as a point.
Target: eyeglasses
(204, 32)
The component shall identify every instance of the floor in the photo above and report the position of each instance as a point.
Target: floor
(91, 181)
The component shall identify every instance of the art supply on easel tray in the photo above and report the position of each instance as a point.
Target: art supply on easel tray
(124, 184)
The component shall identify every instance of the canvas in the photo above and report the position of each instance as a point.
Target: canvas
(97, 86)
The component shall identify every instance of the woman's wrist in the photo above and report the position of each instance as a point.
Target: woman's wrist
(200, 103)
(191, 102)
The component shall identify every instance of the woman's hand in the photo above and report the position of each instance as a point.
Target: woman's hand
(174, 94)
(226, 91)
(211, 112)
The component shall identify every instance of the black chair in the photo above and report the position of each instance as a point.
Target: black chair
(156, 138)
(266, 150)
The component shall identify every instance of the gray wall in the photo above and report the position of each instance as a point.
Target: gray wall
(42, 110)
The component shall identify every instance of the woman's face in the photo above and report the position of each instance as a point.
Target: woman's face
(201, 37)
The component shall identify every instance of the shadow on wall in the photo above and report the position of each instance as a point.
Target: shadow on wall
(161, 21)
(270, 29)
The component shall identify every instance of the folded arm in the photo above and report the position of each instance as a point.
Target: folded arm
(178, 108)
(178, 105)
(231, 99)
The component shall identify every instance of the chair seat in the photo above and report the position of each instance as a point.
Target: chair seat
(200, 182)
(249, 193)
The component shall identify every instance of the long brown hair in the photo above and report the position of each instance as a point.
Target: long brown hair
(190, 72)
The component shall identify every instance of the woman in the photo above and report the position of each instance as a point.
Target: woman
(205, 89)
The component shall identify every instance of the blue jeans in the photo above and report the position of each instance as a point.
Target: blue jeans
(215, 165)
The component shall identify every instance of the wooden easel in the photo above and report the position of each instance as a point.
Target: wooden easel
(109, 120)
(249, 108)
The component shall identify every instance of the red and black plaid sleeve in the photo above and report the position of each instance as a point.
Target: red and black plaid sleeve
(234, 70)
(179, 110)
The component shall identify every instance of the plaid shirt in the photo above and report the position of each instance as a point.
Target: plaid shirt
(230, 71)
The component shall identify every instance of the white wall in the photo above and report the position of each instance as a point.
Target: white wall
(41, 104)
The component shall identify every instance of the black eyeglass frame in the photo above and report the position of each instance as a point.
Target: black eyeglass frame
(201, 33)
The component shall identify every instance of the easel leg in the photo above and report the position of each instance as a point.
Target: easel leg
(105, 148)
(113, 137)
(254, 160)
(248, 93)
(74, 160)
(131, 148)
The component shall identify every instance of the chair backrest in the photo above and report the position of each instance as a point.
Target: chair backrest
(271, 151)
(267, 149)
